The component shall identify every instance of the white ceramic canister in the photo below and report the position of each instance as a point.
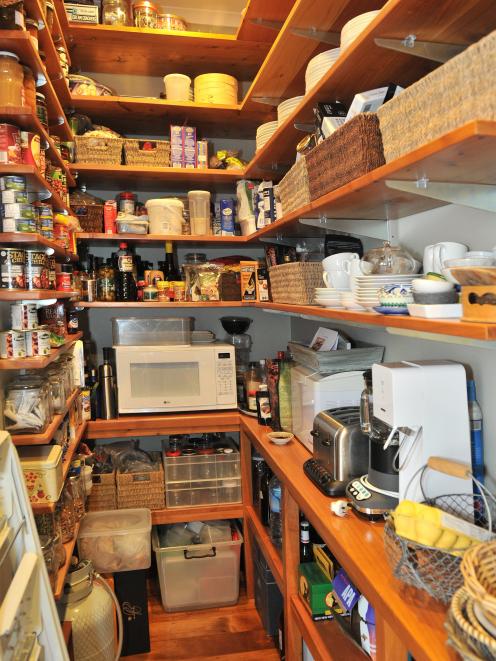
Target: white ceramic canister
(165, 216)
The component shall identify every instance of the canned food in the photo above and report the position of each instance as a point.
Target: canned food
(13, 182)
(24, 316)
(10, 144)
(14, 197)
(61, 235)
(30, 148)
(12, 262)
(42, 162)
(52, 278)
(18, 225)
(64, 278)
(36, 271)
(18, 211)
(12, 344)
(179, 291)
(37, 342)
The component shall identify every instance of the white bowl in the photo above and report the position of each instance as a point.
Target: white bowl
(469, 261)
(423, 286)
(280, 437)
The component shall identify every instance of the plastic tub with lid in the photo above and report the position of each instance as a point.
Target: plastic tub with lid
(177, 87)
(165, 216)
(42, 468)
(199, 212)
(116, 540)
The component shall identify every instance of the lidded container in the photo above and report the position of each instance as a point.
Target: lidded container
(171, 22)
(116, 12)
(11, 80)
(27, 406)
(389, 259)
(216, 88)
(199, 211)
(135, 331)
(145, 14)
(12, 15)
(165, 216)
(42, 468)
(177, 87)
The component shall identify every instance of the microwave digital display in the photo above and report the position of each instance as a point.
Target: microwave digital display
(223, 355)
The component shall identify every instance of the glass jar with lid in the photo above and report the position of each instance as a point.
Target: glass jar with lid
(11, 80)
(48, 550)
(145, 14)
(77, 493)
(27, 406)
(29, 84)
(41, 109)
(12, 15)
(65, 511)
(116, 12)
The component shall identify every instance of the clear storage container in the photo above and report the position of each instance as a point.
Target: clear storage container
(194, 576)
(117, 540)
(135, 331)
(27, 405)
(42, 468)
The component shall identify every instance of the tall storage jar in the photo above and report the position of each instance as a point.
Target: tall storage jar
(11, 80)
(116, 12)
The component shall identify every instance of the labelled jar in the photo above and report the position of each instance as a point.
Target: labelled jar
(145, 14)
(29, 84)
(11, 80)
(12, 15)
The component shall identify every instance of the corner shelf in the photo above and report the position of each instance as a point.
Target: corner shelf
(160, 238)
(38, 184)
(39, 362)
(268, 549)
(33, 239)
(47, 436)
(207, 513)
(170, 306)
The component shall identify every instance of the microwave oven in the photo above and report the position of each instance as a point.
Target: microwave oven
(164, 379)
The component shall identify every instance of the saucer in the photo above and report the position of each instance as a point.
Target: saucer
(381, 309)
(280, 437)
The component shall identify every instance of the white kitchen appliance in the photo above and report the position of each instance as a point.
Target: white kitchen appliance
(312, 393)
(156, 379)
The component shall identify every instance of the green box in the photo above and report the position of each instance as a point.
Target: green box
(315, 589)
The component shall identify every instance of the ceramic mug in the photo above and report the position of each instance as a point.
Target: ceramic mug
(338, 261)
(435, 254)
(357, 268)
(337, 279)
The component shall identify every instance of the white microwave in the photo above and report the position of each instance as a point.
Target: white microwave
(163, 379)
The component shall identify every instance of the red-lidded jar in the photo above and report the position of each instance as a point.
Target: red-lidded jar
(127, 202)
(64, 278)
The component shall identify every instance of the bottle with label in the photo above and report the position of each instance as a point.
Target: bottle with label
(275, 516)
(265, 495)
(253, 379)
(476, 438)
(263, 405)
(88, 280)
(125, 285)
(306, 554)
(172, 273)
(106, 282)
(284, 392)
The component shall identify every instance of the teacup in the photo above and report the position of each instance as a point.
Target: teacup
(339, 261)
(339, 280)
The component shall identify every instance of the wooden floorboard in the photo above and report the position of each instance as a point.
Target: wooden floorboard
(233, 633)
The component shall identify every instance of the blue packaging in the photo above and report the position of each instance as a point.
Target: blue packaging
(227, 217)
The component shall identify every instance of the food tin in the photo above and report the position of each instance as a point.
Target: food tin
(13, 182)
(18, 225)
(42, 468)
(24, 316)
(12, 344)
(12, 262)
(36, 270)
(10, 144)
(37, 342)
(14, 197)
(52, 277)
(30, 148)
(41, 109)
(64, 278)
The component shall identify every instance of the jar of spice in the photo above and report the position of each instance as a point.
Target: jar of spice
(145, 14)
(106, 282)
(11, 80)
(12, 15)
(115, 12)
(163, 291)
(32, 28)
(150, 294)
(49, 15)
(41, 109)
(29, 89)
(126, 202)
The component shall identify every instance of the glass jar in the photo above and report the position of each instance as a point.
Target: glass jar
(46, 524)
(12, 15)
(11, 80)
(106, 282)
(48, 550)
(115, 12)
(32, 28)
(29, 89)
(41, 109)
(49, 15)
(150, 294)
(77, 492)
(58, 551)
(66, 362)
(26, 406)
(145, 14)
(65, 510)
(57, 391)
(163, 291)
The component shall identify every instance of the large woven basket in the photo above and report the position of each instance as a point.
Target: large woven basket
(465, 633)
(350, 152)
(295, 282)
(293, 188)
(147, 153)
(479, 571)
(104, 150)
(146, 489)
(459, 91)
(90, 216)
(103, 494)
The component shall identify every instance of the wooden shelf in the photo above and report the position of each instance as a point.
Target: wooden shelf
(172, 306)
(39, 362)
(146, 178)
(48, 434)
(160, 238)
(207, 513)
(128, 115)
(256, 10)
(157, 425)
(37, 184)
(62, 573)
(271, 554)
(147, 52)
(33, 294)
(326, 640)
(32, 239)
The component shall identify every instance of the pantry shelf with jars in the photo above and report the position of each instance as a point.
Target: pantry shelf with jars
(33, 294)
(46, 436)
(38, 362)
(33, 239)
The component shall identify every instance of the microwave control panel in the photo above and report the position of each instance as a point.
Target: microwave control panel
(225, 376)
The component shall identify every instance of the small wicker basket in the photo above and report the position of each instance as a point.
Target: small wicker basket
(90, 216)
(103, 494)
(104, 150)
(465, 633)
(479, 571)
(295, 282)
(293, 188)
(147, 153)
(143, 489)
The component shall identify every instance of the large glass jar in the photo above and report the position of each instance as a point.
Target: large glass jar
(145, 14)
(57, 390)
(27, 408)
(116, 12)
(106, 282)
(48, 550)
(77, 492)
(65, 511)
(29, 89)
(11, 80)
(12, 15)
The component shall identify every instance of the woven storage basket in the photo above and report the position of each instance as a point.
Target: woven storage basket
(104, 150)
(103, 494)
(146, 489)
(479, 572)
(90, 216)
(151, 153)
(293, 188)
(466, 634)
(457, 92)
(350, 152)
(295, 283)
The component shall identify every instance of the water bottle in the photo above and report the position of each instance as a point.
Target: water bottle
(275, 518)
(476, 439)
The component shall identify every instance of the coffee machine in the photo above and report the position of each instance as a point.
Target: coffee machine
(419, 410)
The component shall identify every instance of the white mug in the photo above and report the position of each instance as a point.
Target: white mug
(428, 262)
(338, 260)
(434, 255)
(337, 279)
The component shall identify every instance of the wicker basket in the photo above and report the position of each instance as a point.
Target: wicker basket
(457, 92)
(293, 188)
(103, 494)
(146, 489)
(295, 283)
(90, 216)
(147, 153)
(350, 152)
(104, 150)
(465, 632)
(479, 571)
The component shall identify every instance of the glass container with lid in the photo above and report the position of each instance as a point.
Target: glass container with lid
(77, 493)
(27, 407)
(29, 84)
(65, 510)
(12, 15)
(145, 14)
(388, 259)
(11, 80)
(48, 550)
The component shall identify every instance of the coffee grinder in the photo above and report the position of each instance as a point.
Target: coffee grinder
(236, 327)
(419, 409)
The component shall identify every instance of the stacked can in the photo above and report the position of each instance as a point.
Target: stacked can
(16, 213)
(44, 219)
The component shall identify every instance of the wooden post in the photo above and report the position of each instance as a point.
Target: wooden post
(291, 560)
(246, 495)
(389, 645)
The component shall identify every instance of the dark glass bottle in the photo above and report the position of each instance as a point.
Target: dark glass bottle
(265, 496)
(280, 637)
(126, 284)
(306, 554)
(171, 270)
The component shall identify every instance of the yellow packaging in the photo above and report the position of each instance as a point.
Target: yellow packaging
(248, 271)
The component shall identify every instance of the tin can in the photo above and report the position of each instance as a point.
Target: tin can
(18, 225)
(12, 344)
(45, 216)
(36, 271)
(30, 148)
(179, 291)
(52, 277)
(14, 197)
(12, 262)
(10, 144)
(64, 278)
(37, 342)
(24, 316)
(13, 182)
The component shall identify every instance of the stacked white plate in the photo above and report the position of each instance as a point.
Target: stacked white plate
(367, 287)
(319, 66)
(264, 133)
(355, 27)
(285, 108)
(327, 297)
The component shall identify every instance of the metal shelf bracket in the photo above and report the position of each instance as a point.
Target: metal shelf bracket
(429, 50)
(267, 100)
(372, 229)
(307, 128)
(332, 38)
(477, 196)
(264, 23)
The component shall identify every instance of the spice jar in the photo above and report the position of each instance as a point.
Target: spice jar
(11, 80)
(115, 12)
(145, 14)
(49, 15)
(12, 15)
(41, 109)
(127, 202)
(29, 89)
(32, 28)
(150, 294)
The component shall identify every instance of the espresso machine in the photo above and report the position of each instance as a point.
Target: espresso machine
(411, 411)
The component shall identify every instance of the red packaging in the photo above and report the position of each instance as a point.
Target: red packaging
(10, 144)
(109, 217)
(31, 148)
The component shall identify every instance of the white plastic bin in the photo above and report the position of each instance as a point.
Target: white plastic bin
(116, 540)
(165, 216)
(177, 87)
(198, 576)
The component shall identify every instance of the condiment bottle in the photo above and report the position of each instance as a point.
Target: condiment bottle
(263, 405)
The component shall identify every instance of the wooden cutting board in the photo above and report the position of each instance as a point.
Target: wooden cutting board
(470, 275)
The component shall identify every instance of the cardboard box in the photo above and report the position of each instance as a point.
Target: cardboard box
(202, 154)
(81, 13)
(315, 589)
(248, 271)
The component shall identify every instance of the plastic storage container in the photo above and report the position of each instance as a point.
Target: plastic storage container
(177, 87)
(268, 597)
(42, 467)
(199, 212)
(165, 216)
(116, 540)
(135, 331)
(197, 576)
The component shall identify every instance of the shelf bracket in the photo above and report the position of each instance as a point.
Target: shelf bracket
(372, 229)
(477, 196)
(267, 100)
(429, 50)
(264, 23)
(306, 128)
(274, 167)
(332, 38)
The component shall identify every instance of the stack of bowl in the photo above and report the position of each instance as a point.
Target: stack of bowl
(355, 27)
(319, 66)
(264, 133)
(218, 88)
(286, 108)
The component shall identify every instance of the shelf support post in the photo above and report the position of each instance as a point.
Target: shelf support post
(477, 196)
(429, 50)
(291, 560)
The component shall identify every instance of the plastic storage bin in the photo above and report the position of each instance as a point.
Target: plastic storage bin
(268, 597)
(136, 331)
(196, 576)
(116, 540)
(42, 467)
